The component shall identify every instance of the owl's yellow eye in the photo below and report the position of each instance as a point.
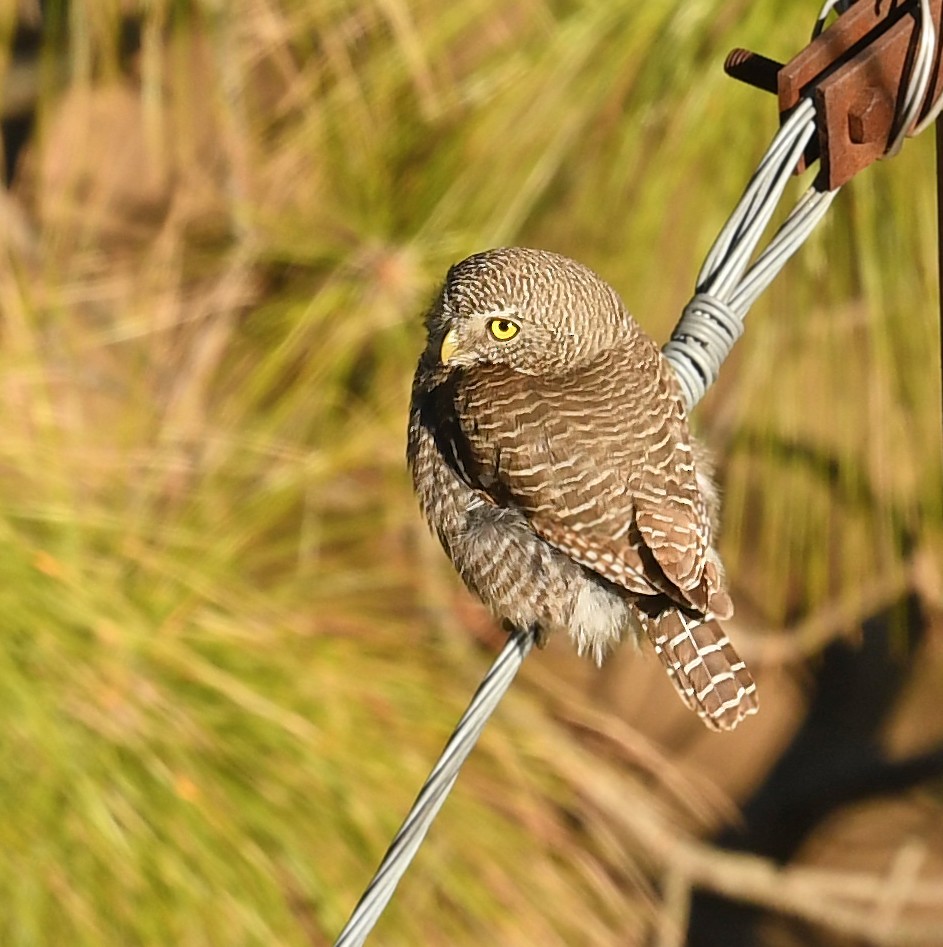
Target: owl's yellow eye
(503, 329)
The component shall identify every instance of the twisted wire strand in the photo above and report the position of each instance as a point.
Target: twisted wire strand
(921, 77)
(742, 230)
(435, 790)
(727, 285)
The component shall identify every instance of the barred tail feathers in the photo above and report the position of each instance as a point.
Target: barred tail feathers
(707, 672)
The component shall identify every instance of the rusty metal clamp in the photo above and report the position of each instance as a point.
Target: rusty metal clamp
(857, 73)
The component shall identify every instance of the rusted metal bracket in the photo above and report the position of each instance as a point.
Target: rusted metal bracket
(856, 72)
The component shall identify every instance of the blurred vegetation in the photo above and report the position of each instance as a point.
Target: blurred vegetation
(230, 652)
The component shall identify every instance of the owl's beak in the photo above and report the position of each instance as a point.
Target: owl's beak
(449, 347)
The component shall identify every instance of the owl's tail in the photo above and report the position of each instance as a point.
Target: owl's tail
(705, 669)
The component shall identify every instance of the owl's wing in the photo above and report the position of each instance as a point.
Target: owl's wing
(602, 471)
(673, 517)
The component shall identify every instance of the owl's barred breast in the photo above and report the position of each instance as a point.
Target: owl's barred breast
(574, 448)
(550, 452)
(517, 574)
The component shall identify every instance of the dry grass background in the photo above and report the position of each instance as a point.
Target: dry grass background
(230, 653)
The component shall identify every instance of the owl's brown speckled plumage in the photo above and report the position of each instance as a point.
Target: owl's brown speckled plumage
(550, 453)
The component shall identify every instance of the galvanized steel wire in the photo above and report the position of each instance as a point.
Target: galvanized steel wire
(727, 285)
(435, 790)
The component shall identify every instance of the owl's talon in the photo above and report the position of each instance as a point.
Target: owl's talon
(541, 636)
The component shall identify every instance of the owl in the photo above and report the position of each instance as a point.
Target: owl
(550, 453)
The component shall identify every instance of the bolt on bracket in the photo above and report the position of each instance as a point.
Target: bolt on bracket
(856, 72)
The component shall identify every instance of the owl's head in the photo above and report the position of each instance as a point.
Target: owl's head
(533, 311)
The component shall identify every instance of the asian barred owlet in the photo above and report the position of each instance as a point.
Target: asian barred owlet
(550, 452)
